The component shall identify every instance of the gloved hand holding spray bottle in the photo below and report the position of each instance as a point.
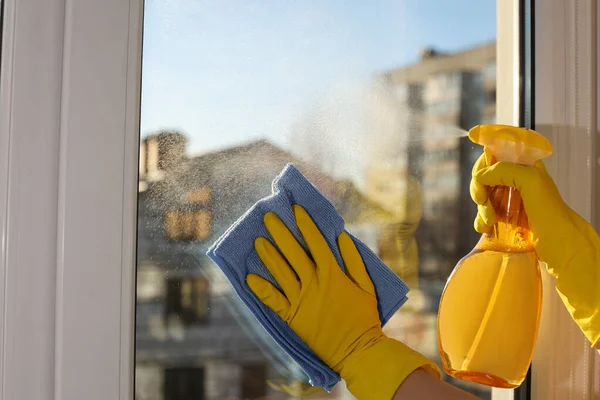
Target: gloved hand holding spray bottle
(490, 310)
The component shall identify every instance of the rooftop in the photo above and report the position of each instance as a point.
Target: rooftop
(433, 62)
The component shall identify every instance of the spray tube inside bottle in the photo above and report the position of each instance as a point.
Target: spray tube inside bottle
(490, 308)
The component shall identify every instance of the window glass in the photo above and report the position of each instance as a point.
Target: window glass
(370, 100)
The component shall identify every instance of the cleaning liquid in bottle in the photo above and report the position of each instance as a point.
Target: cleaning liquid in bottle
(489, 312)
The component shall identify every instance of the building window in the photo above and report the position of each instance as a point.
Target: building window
(444, 107)
(254, 378)
(488, 119)
(150, 283)
(190, 221)
(401, 91)
(441, 155)
(188, 225)
(184, 384)
(200, 197)
(202, 225)
(489, 72)
(187, 300)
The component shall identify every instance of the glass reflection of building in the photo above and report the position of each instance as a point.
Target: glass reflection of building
(438, 99)
(194, 339)
(450, 93)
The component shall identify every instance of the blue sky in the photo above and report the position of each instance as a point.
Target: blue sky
(226, 72)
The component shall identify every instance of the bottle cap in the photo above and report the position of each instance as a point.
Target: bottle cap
(511, 143)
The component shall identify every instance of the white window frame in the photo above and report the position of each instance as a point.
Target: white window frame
(69, 115)
(566, 108)
(507, 94)
(69, 110)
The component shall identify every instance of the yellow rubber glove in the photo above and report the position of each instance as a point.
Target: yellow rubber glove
(563, 240)
(333, 312)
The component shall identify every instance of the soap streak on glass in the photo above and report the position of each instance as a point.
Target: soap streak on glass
(233, 91)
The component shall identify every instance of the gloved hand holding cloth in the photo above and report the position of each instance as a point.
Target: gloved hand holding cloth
(332, 311)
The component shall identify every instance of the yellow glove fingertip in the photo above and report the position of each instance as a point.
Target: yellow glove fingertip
(257, 284)
(317, 245)
(540, 166)
(479, 193)
(301, 215)
(269, 219)
(269, 295)
(480, 225)
(480, 163)
(298, 208)
(259, 245)
(489, 156)
(355, 267)
(487, 213)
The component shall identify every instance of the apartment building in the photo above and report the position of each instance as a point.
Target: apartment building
(451, 92)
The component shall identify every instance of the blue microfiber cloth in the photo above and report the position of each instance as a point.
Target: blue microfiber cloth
(234, 253)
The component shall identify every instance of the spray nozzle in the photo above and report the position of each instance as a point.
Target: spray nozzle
(511, 143)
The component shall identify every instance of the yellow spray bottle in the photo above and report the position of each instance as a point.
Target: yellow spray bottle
(489, 312)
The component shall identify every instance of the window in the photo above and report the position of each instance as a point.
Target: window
(402, 91)
(184, 384)
(489, 72)
(150, 283)
(490, 96)
(254, 382)
(281, 87)
(85, 98)
(438, 156)
(188, 220)
(489, 120)
(444, 107)
(187, 301)
(444, 85)
(185, 225)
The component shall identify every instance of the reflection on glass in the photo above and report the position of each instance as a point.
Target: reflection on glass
(232, 92)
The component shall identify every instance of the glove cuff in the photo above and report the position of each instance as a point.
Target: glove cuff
(578, 277)
(376, 372)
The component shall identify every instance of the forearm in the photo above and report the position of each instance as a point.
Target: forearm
(421, 385)
(577, 273)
